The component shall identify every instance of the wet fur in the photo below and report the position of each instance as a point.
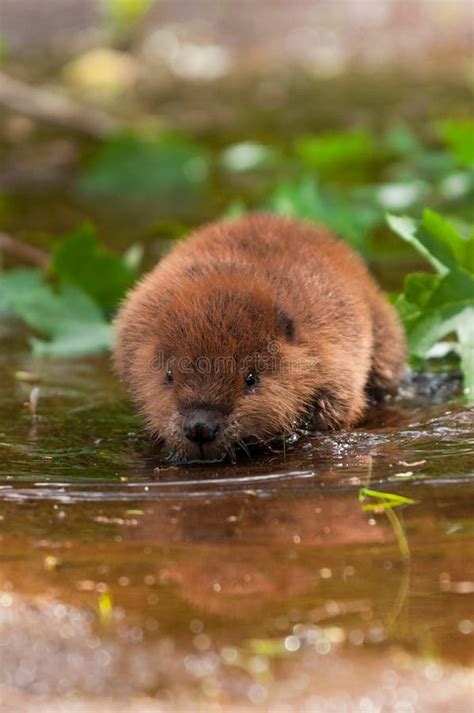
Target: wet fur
(231, 290)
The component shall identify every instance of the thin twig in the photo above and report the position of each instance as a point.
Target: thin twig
(23, 251)
(54, 108)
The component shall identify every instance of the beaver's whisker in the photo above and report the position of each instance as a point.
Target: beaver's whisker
(244, 447)
(230, 452)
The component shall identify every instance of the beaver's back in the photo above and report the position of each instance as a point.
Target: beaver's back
(311, 273)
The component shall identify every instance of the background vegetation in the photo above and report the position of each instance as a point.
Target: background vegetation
(389, 167)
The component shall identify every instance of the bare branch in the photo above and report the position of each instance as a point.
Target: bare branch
(23, 251)
(54, 108)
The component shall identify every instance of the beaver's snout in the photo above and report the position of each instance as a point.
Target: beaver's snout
(202, 425)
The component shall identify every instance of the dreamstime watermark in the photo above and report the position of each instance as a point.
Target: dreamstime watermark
(226, 365)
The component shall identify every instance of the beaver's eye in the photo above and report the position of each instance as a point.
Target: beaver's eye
(251, 380)
(169, 376)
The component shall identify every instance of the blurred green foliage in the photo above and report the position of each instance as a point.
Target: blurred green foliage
(345, 180)
(121, 15)
(460, 137)
(71, 302)
(352, 220)
(80, 260)
(330, 153)
(67, 317)
(130, 166)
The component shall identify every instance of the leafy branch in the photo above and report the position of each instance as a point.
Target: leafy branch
(433, 306)
(69, 304)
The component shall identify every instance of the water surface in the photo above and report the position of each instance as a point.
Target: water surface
(263, 585)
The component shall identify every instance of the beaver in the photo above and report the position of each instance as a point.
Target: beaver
(251, 328)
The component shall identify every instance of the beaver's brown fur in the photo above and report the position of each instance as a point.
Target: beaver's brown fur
(248, 328)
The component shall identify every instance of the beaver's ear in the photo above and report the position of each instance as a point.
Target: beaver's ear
(285, 325)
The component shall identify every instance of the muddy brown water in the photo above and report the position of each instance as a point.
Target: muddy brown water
(264, 585)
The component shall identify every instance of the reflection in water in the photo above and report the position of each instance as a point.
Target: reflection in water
(204, 589)
(260, 584)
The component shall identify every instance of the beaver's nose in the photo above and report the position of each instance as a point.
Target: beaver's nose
(202, 425)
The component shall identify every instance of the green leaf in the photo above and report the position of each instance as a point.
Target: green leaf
(454, 241)
(434, 306)
(410, 230)
(426, 329)
(18, 282)
(455, 287)
(72, 322)
(306, 199)
(336, 149)
(419, 287)
(136, 166)
(430, 307)
(384, 500)
(429, 327)
(459, 135)
(437, 240)
(465, 332)
(401, 140)
(79, 259)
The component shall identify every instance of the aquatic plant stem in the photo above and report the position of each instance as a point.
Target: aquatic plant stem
(399, 534)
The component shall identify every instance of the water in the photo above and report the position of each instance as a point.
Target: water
(260, 586)
(264, 585)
